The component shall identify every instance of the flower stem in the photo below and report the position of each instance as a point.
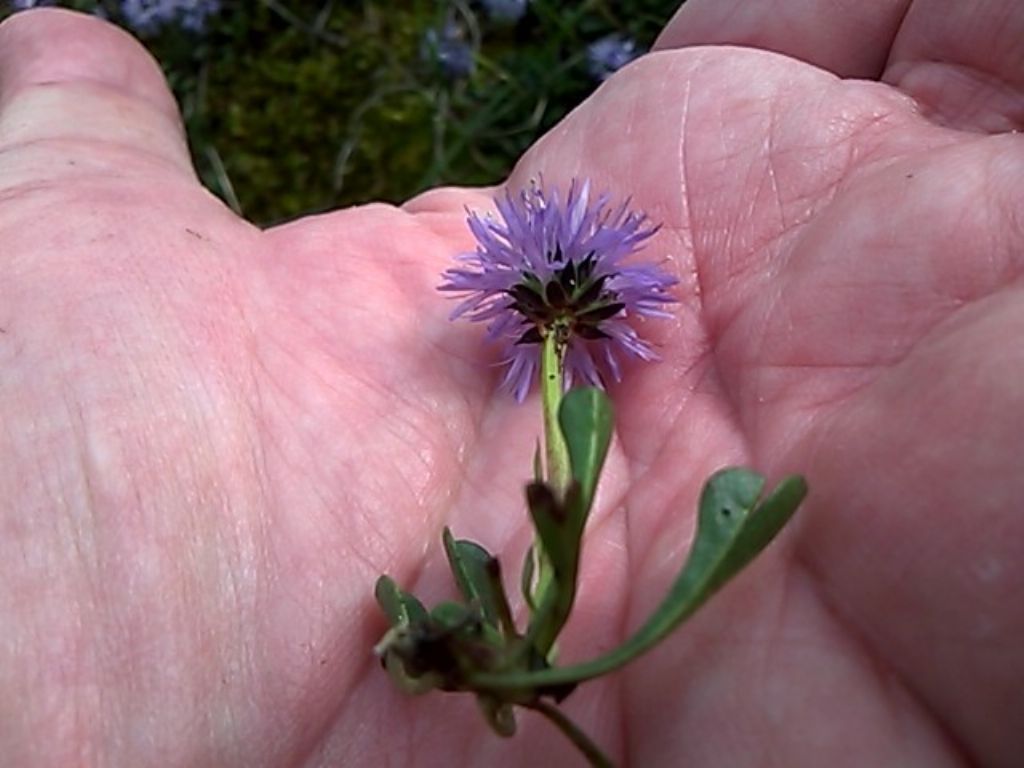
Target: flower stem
(551, 375)
(595, 757)
(557, 473)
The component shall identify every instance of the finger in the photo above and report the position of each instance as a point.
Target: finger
(67, 81)
(963, 62)
(849, 38)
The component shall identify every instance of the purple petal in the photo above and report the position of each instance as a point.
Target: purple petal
(537, 231)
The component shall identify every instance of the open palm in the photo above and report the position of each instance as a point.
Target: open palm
(215, 438)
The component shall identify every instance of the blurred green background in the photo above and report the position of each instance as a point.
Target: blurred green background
(298, 106)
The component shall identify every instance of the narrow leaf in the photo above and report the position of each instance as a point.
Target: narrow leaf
(527, 583)
(405, 613)
(585, 416)
(451, 616)
(472, 566)
(585, 420)
(729, 536)
(559, 528)
(401, 608)
(762, 526)
(549, 517)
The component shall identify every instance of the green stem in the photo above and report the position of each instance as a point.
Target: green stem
(551, 376)
(582, 742)
(557, 471)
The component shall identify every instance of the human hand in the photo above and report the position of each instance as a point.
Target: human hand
(215, 438)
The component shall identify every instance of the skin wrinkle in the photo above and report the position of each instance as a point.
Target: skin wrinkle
(882, 669)
(924, 48)
(687, 224)
(326, 503)
(341, 707)
(623, 627)
(896, 29)
(963, 748)
(685, 214)
(309, 750)
(769, 177)
(745, 417)
(92, 558)
(196, 471)
(69, 526)
(79, 151)
(835, 36)
(760, 676)
(884, 675)
(247, 569)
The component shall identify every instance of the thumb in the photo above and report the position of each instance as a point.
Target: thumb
(70, 82)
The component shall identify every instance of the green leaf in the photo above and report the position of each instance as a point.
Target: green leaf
(585, 417)
(760, 527)
(478, 576)
(451, 616)
(401, 608)
(549, 518)
(731, 530)
(559, 529)
(404, 611)
(527, 583)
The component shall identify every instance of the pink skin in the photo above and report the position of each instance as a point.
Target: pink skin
(214, 438)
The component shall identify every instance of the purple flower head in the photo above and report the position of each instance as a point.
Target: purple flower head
(553, 266)
(609, 54)
(446, 50)
(148, 16)
(24, 5)
(505, 11)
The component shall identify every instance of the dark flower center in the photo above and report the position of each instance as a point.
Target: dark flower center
(573, 302)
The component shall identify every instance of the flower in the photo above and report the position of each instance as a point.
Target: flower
(610, 53)
(505, 11)
(557, 267)
(445, 49)
(147, 16)
(24, 5)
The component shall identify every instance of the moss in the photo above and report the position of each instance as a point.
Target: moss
(299, 106)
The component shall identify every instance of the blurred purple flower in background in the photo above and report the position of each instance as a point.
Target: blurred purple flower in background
(608, 54)
(505, 11)
(555, 266)
(446, 49)
(148, 16)
(23, 5)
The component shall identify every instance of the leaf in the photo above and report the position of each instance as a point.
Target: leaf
(585, 416)
(401, 608)
(762, 525)
(474, 570)
(585, 419)
(450, 616)
(732, 529)
(527, 583)
(404, 612)
(559, 528)
(548, 515)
